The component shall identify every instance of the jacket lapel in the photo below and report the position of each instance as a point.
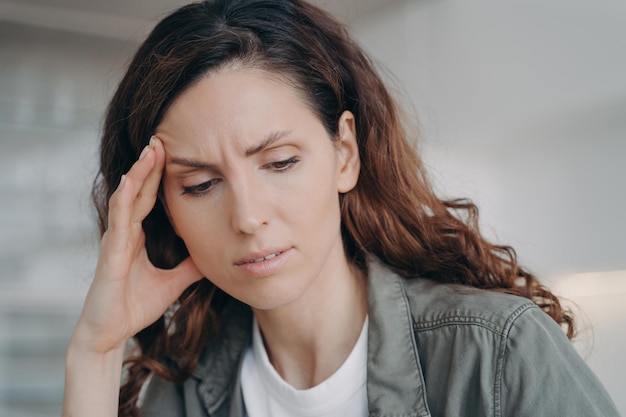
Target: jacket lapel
(218, 368)
(395, 384)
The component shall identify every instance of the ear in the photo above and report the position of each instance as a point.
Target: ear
(348, 159)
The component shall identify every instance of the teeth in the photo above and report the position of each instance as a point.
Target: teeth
(273, 255)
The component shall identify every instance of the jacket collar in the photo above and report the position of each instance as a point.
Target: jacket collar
(395, 384)
(218, 367)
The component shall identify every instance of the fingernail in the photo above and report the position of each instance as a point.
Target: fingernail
(122, 181)
(144, 152)
(152, 142)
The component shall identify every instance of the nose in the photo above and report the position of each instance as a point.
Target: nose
(248, 208)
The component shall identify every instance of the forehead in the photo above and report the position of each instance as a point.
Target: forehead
(236, 106)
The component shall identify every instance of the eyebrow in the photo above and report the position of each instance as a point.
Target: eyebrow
(253, 150)
(265, 143)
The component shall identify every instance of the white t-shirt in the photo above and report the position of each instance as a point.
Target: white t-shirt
(266, 394)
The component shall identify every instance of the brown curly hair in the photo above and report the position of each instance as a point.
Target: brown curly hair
(392, 213)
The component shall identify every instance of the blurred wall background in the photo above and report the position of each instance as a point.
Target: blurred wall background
(521, 106)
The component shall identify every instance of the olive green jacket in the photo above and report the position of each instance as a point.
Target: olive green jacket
(434, 349)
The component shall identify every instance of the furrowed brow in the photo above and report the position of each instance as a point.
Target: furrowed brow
(265, 143)
(191, 163)
(268, 141)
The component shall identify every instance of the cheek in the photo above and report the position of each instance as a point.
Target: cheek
(190, 221)
(314, 203)
(174, 211)
(206, 243)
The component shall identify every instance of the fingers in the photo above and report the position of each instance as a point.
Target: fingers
(147, 194)
(118, 229)
(136, 194)
(182, 276)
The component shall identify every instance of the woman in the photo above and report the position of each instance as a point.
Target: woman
(275, 248)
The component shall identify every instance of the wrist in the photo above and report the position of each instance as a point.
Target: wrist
(86, 341)
(92, 381)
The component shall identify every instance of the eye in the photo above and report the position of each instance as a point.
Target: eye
(200, 189)
(283, 165)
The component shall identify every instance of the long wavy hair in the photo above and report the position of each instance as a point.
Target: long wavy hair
(392, 213)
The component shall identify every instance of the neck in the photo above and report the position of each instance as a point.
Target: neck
(308, 340)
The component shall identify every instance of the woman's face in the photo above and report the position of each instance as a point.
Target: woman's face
(252, 182)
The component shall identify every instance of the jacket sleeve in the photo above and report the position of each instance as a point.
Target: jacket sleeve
(162, 399)
(543, 375)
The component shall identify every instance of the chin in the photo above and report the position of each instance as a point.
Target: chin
(271, 300)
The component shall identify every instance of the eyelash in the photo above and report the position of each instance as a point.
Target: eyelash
(284, 165)
(200, 189)
(207, 186)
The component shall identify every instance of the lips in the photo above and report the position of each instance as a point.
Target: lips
(257, 257)
(265, 263)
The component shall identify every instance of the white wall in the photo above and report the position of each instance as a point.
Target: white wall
(53, 90)
(522, 107)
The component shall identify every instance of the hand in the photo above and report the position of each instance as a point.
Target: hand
(128, 293)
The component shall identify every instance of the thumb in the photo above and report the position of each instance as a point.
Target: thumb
(182, 276)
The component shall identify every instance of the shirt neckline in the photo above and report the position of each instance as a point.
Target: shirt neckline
(344, 383)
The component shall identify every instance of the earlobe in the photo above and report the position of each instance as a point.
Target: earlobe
(349, 161)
